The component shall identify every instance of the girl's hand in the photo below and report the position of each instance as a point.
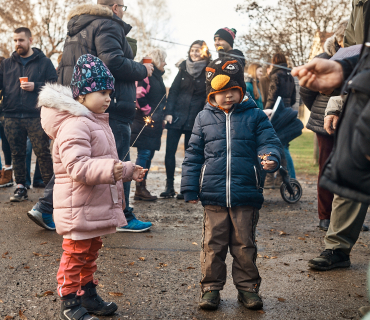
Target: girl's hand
(118, 171)
(168, 118)
(139, 173)
(268, 165)
(194, 201)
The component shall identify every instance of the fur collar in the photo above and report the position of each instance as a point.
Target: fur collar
(331, 47)
(59, 97)
(90, 9)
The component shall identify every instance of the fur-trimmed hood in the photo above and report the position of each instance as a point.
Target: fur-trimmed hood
(331, 46)
(57, 104)
(84, 14)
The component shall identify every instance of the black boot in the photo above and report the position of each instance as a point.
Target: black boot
(94, 303)
(71, 309)
(170, 191)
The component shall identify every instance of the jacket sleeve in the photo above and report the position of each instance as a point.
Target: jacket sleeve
(173, 94)
(349, 34)
(361, 136)
(49, 76)
(2, 75)
(74, 142)
(108, 43)
(267, 141)
(348, 65)
(308, 97)
(142, 90)
(273, 91)
(193, 162)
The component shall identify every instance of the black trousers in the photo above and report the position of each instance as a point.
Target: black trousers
(173, 138)
(5, 146)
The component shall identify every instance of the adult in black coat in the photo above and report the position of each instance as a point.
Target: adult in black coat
(282, 85)
(186, 99)
(317, 103)
(151, 102)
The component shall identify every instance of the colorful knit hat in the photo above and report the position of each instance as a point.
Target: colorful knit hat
(223, 74)
(90, 74)
(227, 34)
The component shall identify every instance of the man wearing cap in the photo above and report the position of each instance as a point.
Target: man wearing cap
(225, 38)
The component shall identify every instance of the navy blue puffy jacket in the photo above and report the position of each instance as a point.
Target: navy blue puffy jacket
(221, 165)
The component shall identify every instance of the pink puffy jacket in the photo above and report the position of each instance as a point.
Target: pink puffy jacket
(87, 200)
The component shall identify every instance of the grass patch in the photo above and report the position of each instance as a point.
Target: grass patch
(301, 150)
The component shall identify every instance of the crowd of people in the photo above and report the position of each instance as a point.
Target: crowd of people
(99, 102)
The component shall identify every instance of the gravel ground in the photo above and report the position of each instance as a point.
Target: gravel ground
(155, 275)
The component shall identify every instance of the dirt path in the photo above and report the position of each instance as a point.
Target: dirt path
(155, 275)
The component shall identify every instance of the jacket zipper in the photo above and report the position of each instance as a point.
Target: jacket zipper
(257, 182)
(228, 160)
(201, 178)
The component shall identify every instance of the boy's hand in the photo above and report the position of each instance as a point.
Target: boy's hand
(268, 165)
(118, 171)
(194, 201)
(139, 173)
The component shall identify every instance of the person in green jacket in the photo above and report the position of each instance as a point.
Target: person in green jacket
(255, 73)
(355, 31)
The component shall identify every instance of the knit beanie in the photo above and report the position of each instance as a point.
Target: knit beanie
(223, 74)
(90, 74)
(227, 34)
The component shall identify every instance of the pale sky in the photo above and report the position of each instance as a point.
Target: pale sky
(199, 20)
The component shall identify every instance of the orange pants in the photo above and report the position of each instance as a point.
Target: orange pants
(77, 265)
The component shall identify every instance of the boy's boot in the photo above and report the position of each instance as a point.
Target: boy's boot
(6, 177)
(71, 309)
(94, 303)
(170, 191)
(142, 192)
(250, 300)
(210, 300)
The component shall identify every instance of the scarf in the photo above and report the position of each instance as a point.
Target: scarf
(195, 68)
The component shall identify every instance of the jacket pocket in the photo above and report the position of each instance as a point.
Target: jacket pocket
(201, 177)
(99, 203)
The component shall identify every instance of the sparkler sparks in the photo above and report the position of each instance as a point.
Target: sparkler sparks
(264, 157)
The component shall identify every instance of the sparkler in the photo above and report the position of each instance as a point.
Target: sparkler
(229, 54)
(147, 120)
(264, 157)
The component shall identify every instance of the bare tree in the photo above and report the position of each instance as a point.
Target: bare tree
(289, 27)
(150, 19)
(45, 18)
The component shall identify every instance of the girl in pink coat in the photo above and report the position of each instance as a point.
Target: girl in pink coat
(88, 190)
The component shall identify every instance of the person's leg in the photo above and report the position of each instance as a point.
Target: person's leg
(90, 267)
(143, 160)
(149, 162)
(215, 243)
(243, 248)
(143, 156)
(37, 178)
(6, 148)
(187, 138)
(346, 221)
(173, 138)
(42, 212)
(28, 162)
(290, 163)
(41, 146)
(16, 135)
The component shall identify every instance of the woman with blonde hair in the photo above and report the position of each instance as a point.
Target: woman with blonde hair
(149, 93)
(255, 73)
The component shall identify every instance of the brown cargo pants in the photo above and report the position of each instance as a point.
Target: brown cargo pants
(232, 228)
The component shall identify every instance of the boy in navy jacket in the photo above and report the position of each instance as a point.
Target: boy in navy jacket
(232, 145)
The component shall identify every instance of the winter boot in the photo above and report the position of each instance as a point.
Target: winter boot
(6, 177)
(170, 191)
(330, 259)
(142, 192)
(250, 300)
(210, 300)
(71, 308)
(94, 303)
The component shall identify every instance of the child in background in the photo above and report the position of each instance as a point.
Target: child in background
(255, 73)
(231, 144)
(88, 191)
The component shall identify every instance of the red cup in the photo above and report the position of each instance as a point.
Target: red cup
(147, 60)
(23, 79)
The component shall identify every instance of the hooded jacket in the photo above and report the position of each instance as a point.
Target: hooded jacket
(281, 84)
(96, 30)
(221, 165)
(19, 103)
(87, 201)
(315, 101)
(187, 96)
(249, 83)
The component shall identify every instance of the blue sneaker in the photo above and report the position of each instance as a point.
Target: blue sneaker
(42, 219)
(135, 225)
